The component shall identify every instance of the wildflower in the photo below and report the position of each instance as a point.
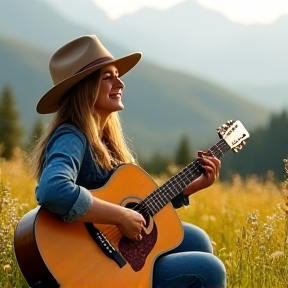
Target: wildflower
(7, 268)
(277, 254)
(214, 244)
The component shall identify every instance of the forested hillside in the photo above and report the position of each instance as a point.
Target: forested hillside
(265, 151)
(161, 105)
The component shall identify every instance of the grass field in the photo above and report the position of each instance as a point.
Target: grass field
(246, 220)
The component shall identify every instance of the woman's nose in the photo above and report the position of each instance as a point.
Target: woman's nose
(119, 83)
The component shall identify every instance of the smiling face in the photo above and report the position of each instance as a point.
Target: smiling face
(110, 92)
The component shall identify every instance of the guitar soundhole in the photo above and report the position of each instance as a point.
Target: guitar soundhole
(140, 209)
(135, 253)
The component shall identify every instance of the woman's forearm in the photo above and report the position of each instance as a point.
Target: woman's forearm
(103, 212)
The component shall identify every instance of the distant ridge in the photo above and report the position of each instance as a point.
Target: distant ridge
(249, 59)
(160, 104)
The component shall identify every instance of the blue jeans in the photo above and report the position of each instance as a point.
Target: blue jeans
(191, 264)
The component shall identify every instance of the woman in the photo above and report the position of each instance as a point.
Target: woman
(84, 145)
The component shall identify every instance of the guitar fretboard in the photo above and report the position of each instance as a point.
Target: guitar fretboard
(156, 200)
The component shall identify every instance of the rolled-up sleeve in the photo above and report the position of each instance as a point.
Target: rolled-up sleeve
(57, 189)
(180, 200)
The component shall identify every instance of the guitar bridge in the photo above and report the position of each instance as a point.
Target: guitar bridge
(103, 243)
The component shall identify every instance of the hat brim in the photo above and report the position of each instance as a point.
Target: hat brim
(49, 102)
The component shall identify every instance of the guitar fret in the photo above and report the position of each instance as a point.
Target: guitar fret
(186, 180)
(181, 183)
(160, 204)
(160, 192)
(162, 197)
(154, 195)
(196, 171)
(219, 149)
(144, 209)
(151, 208)
(222, 147)
(154, 202)
(151, 199)
(176, 184)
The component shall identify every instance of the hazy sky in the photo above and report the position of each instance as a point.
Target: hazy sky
(243, 11)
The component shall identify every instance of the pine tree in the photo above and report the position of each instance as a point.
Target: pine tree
(156, 164)
(37, 131)
(10, 131)
(183, 153)
(265, 150)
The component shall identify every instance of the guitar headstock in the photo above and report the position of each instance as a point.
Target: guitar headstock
(234, 133)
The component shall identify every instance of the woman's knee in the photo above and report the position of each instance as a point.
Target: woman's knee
(195, 239)
(216, 273)
(189, 269)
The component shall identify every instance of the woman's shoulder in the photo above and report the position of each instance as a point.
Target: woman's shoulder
(68, 131)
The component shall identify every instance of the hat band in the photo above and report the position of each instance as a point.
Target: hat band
(95, 63)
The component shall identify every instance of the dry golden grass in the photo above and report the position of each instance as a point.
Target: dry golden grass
(15, 175)
(247, 223)
(246, 220)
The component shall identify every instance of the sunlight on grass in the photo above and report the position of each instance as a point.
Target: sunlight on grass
(245, 219)
(15, 174)
(247, 223)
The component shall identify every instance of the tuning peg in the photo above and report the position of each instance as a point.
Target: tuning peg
(220, 131)
(243, 143)
(238, 148)
(229, 122)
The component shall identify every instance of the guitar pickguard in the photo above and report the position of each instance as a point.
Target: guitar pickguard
(135, 253)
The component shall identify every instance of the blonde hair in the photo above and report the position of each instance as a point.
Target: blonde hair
(77, 108)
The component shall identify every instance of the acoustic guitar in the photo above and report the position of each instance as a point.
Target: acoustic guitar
(86, 255)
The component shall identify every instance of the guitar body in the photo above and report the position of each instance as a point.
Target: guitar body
(67, 254)
(75, 260)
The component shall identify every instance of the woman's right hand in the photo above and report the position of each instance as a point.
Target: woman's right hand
(129, 222)
(132, 224)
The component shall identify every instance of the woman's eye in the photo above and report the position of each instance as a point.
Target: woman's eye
(107, 76)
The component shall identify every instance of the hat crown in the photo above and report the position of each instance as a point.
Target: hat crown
(76, 60)
(75, 55)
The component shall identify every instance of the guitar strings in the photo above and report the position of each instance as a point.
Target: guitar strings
(185, 176)
(153, 199)
(190, 171)
(111, 232)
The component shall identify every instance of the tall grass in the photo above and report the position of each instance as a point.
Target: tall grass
(247, 223)
(246, 220)
(15, 199)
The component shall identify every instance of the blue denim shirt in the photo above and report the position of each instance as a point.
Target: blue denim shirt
(69, 172)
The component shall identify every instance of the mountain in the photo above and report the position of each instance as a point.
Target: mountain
(35, 22)
(245, 58)
(248, 59)
(161, 104)
(24, 68)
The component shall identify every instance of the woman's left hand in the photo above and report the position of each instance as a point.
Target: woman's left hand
(211, 166)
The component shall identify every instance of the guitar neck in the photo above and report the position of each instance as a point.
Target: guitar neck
(156, 200)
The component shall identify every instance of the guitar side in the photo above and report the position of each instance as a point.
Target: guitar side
(75, 260)
(27, 253)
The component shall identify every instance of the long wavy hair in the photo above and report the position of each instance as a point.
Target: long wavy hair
(76, 107)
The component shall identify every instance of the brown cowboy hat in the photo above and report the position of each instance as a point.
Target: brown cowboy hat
(76, 60)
